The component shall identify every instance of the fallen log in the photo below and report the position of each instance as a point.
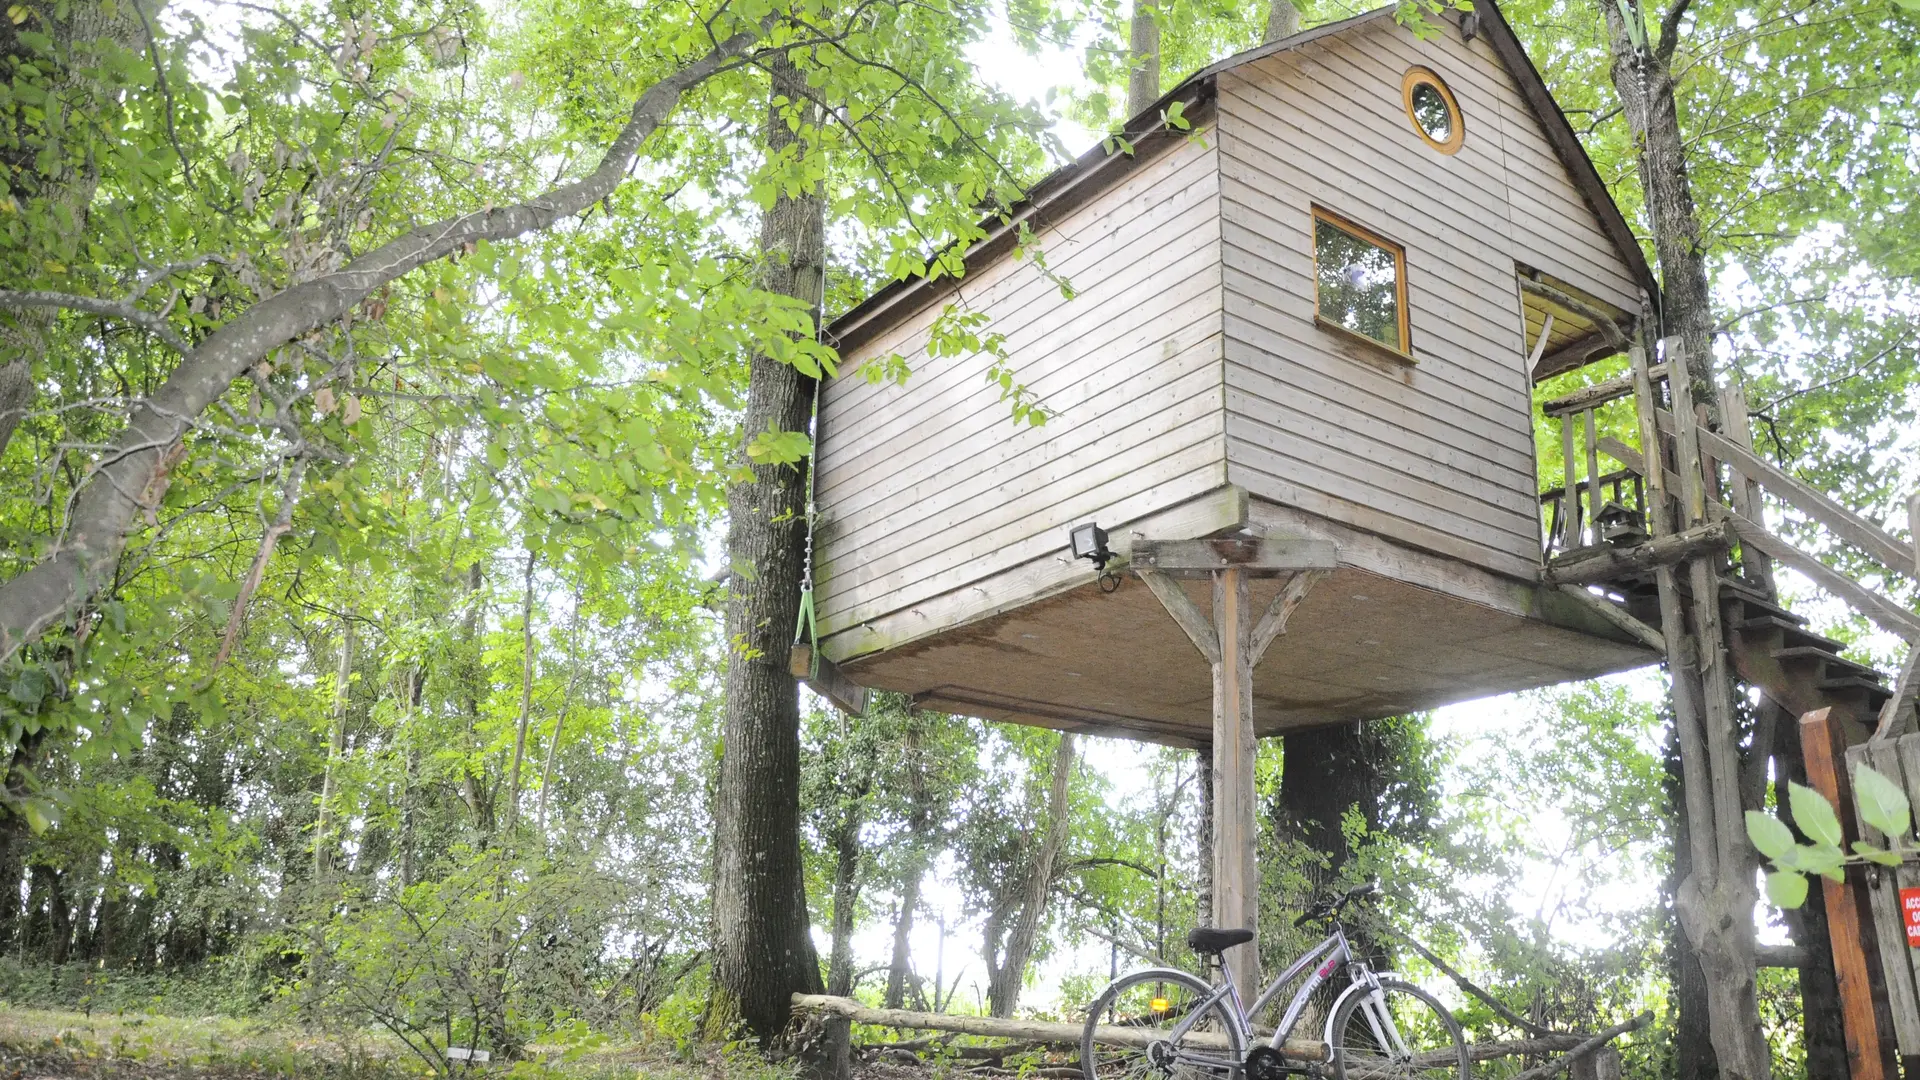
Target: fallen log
(1591, 1046)
(935, 1044)
(1047, 1031)
(1039, 1032)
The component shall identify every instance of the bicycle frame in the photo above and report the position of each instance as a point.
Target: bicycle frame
(1329, 956)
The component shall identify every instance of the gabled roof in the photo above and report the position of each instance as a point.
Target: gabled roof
(1073, 184)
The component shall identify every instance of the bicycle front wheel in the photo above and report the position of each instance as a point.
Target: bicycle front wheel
(1406, 1035)
(1135, 1031)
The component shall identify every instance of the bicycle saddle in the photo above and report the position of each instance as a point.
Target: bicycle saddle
(1212, 941)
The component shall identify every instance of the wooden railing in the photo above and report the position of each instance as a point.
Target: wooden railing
(1578, 513)
(1732, 488)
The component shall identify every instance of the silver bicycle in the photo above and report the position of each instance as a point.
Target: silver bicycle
(1162, 1023)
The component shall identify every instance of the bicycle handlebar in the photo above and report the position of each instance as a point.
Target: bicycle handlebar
(1332, 908)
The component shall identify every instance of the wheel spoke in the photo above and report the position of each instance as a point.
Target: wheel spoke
(1405, 1035)
(1153, 1009)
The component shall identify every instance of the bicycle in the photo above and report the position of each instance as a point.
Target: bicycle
(1176, 1024)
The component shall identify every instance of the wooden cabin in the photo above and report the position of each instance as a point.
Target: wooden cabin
(1318, 315)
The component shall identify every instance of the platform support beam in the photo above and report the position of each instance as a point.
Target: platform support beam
(1236, 871)
(1232, 642)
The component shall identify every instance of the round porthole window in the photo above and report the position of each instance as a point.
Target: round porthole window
(1432, 110)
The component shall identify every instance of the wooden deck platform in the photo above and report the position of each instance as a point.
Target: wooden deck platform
(1364, 645)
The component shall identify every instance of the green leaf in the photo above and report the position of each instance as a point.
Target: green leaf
(1876, 855)
(1786, 889)
(1770, 835)
(1814, 814)
(1824, 859)
(30, 687)
(772, 447)
(1882, 804)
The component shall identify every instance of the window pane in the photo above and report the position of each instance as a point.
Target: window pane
(1431, 112)
(1359, 288)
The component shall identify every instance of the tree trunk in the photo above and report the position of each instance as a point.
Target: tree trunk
(1644, 82)
(1203, 841)
(1324, 773)
(846, 897)
(16, 396)
(59, 919)
(1005, 981)
(1714, 903)
(762, 951)
(526, 697)
(1692, 1039)
(81, 33)
(410, 684)
(323, 845)
(1283, 20)
(1143, 48)
(900, 969)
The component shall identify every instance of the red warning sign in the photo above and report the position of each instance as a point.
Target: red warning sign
(1910, 914)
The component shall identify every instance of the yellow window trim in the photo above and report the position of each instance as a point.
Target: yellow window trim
(1417, 77)
(1351, 228)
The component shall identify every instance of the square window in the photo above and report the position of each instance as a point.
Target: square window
(1360, 282)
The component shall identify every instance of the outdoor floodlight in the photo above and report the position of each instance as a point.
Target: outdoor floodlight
(1090, 542)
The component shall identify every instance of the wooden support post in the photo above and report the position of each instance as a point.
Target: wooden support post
(1716, 679)
(1232, 644)
(1896, 716)
(1870, 1041)
(1653, 457)
(1593, 474)
(1746, 490)
(1913, 530)
(1570, 489)
(1236, 874)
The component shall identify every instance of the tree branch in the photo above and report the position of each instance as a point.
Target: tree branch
(106, 510)
(282, 521)
(93, 305)
(1670, 30)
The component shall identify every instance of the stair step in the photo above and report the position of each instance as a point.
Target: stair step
(1874, 690)
(1757, 601)
(1794, 633)
(1833, 662)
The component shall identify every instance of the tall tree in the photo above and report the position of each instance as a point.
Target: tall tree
(763, 950)
(1013, 924)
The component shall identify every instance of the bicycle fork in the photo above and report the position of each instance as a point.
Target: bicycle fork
(1386, 1033)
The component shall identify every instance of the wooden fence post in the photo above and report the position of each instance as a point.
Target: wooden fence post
(1856, 963)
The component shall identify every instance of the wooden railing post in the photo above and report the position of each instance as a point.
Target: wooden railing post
(1570, 488)
(1913, 530)
(1593, 472)
(1746, 490)
(1856, 963)
(1653, 460)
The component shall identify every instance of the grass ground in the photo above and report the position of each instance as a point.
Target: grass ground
(47, 1043)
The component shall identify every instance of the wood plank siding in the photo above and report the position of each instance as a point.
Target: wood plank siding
(1192, 391)
(1437, 454)
(929, 489)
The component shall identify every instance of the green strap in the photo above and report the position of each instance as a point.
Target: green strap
(807, 628)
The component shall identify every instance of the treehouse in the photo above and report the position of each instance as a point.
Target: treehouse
(1289, 476)
(1318, 316)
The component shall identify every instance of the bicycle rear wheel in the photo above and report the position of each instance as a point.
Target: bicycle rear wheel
(1409, 1035)
(1145, 1008)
